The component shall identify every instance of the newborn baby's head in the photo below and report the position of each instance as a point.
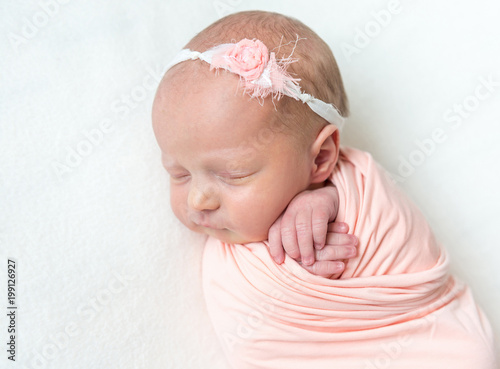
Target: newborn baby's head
(236, 161)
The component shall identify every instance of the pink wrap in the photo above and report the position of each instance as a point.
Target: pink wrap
(395, 306)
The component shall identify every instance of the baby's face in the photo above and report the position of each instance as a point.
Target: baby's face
(231, 175)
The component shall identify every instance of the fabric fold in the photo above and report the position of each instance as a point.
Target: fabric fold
(394, 306)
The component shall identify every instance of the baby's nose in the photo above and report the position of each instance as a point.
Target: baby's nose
(203, 197)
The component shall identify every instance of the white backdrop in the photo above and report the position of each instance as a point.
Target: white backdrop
(106, 276)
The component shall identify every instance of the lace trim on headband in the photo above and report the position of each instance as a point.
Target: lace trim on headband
(260, 73)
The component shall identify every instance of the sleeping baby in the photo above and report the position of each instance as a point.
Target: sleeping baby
(314, 257)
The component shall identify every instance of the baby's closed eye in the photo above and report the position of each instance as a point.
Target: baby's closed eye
(178, 176)
(235, 178)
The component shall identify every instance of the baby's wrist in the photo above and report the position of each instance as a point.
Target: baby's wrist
(332, 189)
(329, 195)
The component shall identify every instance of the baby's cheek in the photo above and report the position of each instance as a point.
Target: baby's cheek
(256, 223)
(179, 206)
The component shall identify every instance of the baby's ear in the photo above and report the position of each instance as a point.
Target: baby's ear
(324, 153)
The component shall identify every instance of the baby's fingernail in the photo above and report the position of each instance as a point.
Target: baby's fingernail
(319, 246)
(308, 261)
(339, 266)
(352, 252)
(354, 240)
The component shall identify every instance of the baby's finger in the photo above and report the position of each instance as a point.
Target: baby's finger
(341, 239)
(275, 246)
(305, 237)
(319, 228)
(325, 268)
(289, 236)
(331, 253)
(338, 227)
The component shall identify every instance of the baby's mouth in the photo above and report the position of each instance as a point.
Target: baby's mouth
(205, 224)
(208, 225)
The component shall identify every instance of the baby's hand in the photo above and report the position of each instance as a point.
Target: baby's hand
(339, 245)
(303, 226)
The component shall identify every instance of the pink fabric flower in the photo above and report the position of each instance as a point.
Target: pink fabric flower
(248, 58)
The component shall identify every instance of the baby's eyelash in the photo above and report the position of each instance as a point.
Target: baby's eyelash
(238, 177)
(235, 178)
(178, 177)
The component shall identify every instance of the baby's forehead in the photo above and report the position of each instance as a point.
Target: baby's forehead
(201, 92)
(195, 77)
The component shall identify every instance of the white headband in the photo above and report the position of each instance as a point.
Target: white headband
(260, 73)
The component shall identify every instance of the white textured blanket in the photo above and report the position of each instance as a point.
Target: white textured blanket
(107, 278)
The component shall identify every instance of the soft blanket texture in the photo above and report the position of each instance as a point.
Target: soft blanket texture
(394, 306)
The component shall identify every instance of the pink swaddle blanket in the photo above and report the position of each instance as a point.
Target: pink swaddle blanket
(395, 305)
